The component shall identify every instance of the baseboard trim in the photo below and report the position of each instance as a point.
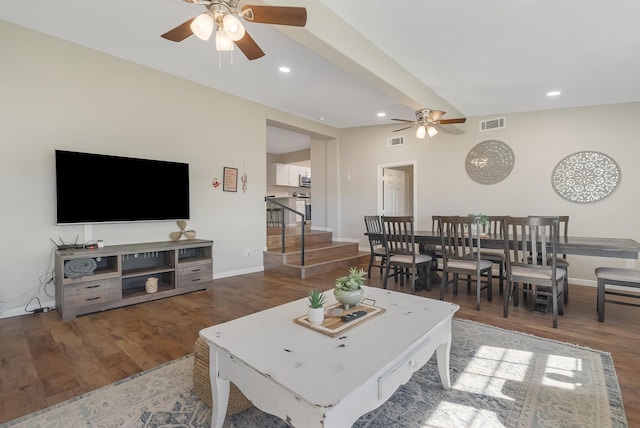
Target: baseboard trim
(239, 272)
(15, 312)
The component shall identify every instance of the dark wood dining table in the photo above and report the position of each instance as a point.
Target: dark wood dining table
(622, 248)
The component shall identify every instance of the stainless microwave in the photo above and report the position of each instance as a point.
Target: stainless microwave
(305, 181)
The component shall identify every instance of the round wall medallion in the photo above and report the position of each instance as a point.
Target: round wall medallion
(489, 162)
(585, 177)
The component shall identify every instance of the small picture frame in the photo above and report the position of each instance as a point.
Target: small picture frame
(230, 180)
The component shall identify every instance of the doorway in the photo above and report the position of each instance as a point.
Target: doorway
(397, 190)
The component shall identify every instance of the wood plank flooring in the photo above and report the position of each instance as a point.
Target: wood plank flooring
(45, 360)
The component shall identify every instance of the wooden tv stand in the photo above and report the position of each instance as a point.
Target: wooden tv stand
(122, 270)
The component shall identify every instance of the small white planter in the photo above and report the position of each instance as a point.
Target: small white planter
(315, 315)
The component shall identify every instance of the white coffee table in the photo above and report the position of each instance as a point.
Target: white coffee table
(311, 379)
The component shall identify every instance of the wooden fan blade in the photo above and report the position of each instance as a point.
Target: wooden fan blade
(249, 47)
(179, 33)
(405, 120)
(448, 121)
(282, 15)
(402, 129)
(436, 114)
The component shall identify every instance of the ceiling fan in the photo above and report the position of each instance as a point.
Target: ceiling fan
(222, 15)
(427, 120)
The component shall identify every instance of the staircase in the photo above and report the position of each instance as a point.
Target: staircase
(321, 253)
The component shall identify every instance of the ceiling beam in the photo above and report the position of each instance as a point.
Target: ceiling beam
(331, 37)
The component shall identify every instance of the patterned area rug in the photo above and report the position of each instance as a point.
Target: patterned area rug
(499, 379)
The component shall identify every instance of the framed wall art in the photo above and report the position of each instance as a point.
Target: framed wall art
(230, 179)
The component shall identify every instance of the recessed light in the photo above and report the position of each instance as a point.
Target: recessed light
(382, 114)
(322, 118)
(553, 93)
(284, 69)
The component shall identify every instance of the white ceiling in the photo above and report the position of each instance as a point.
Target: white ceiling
(467, 57)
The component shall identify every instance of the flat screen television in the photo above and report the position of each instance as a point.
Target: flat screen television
(96, 188)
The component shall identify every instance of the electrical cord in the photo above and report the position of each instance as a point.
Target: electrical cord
(45, 279)
(37, 310)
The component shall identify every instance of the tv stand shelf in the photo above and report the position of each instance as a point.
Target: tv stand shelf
(122, 271)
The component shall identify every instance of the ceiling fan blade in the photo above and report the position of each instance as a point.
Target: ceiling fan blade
(405, 120)
(282, 15)
(179, 33)
(402, 129)
(448, 121)
(434, 115)
(249, 47)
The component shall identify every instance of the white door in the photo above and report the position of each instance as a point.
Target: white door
(393, 192)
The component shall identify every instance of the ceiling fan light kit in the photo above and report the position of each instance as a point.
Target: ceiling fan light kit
(233, 28)
(223, 42)
(202, 26)
(223, 16)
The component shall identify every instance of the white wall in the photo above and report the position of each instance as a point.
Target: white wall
(539, 141)
(56, 95)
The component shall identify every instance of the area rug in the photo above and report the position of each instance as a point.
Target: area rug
(499, 379)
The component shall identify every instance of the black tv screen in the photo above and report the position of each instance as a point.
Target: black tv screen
(95, 188)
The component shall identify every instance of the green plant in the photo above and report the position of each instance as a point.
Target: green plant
(316, 298)
(351, 282)
(483, 218)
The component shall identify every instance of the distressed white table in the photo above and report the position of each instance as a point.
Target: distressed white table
(313, 380)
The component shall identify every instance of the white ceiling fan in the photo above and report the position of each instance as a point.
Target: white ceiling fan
(427, 121)
(223, 16)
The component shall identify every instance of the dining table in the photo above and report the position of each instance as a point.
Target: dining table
(622, 248)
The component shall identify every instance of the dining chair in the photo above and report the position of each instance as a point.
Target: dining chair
(377, 243)
(531, 250)
(493, 229)
(628, 278)
(561, 260)
(436, 251)
(458, 242)
(399, 235)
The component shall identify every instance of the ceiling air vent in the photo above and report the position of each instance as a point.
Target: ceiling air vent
(488, 125)
(395, 141)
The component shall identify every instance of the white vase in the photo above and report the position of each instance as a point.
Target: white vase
(315, 315)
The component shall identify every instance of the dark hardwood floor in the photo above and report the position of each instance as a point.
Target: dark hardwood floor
(45, 360)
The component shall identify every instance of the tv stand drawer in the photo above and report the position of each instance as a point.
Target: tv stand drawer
(92, 292)
(194, 274)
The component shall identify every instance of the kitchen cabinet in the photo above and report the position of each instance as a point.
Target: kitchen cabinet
(283, 174)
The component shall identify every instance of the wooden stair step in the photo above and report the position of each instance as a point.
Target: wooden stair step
(321, 253)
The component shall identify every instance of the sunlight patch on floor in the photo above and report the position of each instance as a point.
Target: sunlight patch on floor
(560, 372)
(491, 368)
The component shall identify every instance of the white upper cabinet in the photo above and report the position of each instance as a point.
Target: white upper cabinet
(282, 174)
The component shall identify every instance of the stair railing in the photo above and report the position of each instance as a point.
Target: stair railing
(271, 204)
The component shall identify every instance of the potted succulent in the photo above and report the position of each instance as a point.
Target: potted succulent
(316, 306)
(348, 290)
(484, 221)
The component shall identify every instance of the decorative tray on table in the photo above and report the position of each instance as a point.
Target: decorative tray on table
(333, 324)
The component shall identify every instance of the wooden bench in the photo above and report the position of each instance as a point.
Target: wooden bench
(616, 276)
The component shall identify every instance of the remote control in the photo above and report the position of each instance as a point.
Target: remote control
(353, 316)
